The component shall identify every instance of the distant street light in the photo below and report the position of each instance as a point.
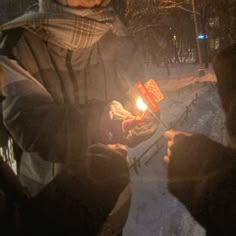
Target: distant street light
(201, 69)
(202, 36)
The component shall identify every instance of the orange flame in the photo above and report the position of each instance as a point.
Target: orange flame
(141, 105)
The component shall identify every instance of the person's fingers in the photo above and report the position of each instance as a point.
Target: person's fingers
(168, 152)
(173, 142)
(169, 134)
(170, 143)
(183, 133)
(166, 159)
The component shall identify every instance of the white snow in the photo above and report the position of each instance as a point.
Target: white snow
(154, 211)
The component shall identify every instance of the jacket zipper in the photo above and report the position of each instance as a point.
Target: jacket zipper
(72, 75)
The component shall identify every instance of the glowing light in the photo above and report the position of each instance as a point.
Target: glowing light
(141, 105)
(202, 36)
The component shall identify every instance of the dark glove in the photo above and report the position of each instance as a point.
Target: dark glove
(80, 198)
(192, 160)
(201, 174)
(115, 130)
(107, 163)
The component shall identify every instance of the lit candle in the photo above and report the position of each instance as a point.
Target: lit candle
(141, 105)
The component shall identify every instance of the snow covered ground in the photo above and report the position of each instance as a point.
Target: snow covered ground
(154, 211)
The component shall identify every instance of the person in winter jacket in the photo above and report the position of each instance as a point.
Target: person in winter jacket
(201, 172)
(82, 199)
(64, 69)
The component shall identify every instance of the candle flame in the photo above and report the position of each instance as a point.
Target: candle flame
(141, 105)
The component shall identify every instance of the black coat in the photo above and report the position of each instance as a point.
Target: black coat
(202, 175)
(78, 200)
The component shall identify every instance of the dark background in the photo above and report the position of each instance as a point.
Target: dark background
(12, 8)
(164, 30)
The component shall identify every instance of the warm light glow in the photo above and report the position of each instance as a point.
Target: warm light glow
(141, 105)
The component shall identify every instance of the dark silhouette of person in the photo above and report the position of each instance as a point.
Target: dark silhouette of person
(202, 172)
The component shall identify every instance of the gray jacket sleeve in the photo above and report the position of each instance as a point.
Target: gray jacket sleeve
(56, 132)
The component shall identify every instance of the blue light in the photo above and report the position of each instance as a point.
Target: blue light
(202, 36)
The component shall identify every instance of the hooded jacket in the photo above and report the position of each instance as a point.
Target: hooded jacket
(54, 96)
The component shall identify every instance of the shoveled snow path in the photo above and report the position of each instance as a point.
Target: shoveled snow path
(154, 211)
